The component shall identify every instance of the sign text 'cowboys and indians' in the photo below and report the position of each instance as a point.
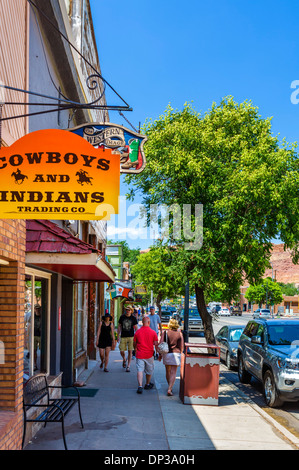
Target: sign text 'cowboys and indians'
(55, 174)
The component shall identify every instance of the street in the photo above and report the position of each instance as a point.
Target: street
(288, 413)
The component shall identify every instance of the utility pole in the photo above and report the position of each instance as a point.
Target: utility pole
(186, 313)
(272, 312)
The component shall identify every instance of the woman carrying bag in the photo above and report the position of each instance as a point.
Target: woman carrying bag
(172, 359)
(105, 340)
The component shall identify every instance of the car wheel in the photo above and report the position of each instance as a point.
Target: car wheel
(228, 361)
(270, 390)
(244, 376)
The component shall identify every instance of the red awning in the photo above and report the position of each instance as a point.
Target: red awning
(50, 247)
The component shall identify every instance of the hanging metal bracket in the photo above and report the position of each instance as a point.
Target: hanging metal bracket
(58, 104)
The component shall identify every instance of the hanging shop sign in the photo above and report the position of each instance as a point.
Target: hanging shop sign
(140, 290)
(124, 142)
(121, 289)
(55, 174)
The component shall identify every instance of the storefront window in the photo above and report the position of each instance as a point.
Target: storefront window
(79, 314)
(37, 304)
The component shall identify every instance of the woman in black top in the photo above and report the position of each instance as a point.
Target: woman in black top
(105, 340)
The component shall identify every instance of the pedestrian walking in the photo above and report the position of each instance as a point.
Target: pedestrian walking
(172, 359)
(105, 340)
(155, 324)
(145, 341)
(127, 325)
(135, 314)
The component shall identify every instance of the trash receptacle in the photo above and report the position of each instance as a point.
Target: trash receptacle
(199, 382)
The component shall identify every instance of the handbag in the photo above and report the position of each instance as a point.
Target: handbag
(163, 347)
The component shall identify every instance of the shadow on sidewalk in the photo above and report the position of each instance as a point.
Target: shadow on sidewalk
(117, 418)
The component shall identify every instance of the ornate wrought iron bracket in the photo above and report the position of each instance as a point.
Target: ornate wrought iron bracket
(58, 104)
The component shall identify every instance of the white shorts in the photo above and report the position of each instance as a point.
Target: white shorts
(145, 365)
(172, 359)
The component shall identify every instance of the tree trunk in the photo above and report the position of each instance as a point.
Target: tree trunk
(205, 316)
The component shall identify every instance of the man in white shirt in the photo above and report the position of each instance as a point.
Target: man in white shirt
(155, 323)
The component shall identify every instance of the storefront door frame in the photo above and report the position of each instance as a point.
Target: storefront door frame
(37, 273)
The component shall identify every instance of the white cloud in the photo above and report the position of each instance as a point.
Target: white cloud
(130, 231)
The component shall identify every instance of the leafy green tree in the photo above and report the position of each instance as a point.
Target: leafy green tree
(247, 182)
(154, 270)
(288, 289)
(266, 292)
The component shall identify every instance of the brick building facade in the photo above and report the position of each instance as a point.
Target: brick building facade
(64, 308)
(14, 18)
(12, 276)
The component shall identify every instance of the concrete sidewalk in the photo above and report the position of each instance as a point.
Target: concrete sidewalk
(117, 418)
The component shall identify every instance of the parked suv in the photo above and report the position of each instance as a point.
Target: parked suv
(166, 315)
(262, 313)
(269, 351)
(195, 321)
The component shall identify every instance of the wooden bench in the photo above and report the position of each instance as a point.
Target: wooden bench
(53, 410)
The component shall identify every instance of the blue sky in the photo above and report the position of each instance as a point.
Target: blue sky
(168, 51)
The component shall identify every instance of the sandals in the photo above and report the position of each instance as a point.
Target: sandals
(128, 369)
(106, 370)
(169, 394)
(124, 363)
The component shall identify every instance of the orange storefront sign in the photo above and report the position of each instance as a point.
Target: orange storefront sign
(55, 174)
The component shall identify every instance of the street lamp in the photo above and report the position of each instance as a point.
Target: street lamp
(272, 281)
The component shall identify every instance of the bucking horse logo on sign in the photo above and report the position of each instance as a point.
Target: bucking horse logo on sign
(83, 177)
(19, 177)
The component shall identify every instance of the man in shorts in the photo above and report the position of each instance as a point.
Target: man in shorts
(145, 340)
(127, 325)
(155, 323)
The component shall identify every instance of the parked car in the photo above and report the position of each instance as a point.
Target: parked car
(195, 321)
(269, 351)
(262, 313)
(224, 311)
(168, 308)
(228, 339)
(166, 315)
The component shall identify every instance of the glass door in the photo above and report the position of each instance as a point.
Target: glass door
(37, 316)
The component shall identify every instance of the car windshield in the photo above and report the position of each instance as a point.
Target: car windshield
(283, 334)
(264, 310)
(193, 312)
(235, 335)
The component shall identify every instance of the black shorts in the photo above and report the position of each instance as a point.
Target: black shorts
(102, 344)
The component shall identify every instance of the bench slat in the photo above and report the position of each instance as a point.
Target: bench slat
(53, 411)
